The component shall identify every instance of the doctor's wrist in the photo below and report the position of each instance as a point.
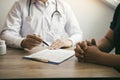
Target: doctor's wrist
(68, 43)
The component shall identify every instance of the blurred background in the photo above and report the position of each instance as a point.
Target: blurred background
(94, 16)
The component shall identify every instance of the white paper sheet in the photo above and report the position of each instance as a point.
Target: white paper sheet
(53, 56)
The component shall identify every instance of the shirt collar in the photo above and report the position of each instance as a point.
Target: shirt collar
(49, 1)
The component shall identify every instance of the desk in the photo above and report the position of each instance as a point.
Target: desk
(12, 65)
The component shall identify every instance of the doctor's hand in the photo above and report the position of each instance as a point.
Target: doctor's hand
(59, 43)
(31, 41)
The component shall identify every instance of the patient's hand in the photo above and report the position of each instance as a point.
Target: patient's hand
(86, 48)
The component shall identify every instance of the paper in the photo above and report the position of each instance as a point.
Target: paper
(52, 56)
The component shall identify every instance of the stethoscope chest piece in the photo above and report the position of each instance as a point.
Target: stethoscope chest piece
(29, 18)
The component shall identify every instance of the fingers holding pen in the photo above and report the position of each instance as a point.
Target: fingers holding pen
(31, 41)
(35, 38)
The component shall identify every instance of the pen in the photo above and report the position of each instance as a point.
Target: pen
(45, 43)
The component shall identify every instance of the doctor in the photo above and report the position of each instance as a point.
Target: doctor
(30, 22)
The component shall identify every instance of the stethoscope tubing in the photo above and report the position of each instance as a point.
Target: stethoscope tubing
(56, 11)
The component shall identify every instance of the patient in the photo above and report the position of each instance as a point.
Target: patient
(90, 52)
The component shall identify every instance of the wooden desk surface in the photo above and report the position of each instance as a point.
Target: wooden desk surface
(12, 65)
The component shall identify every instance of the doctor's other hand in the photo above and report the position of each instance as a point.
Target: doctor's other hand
(60, 43)
(31, 41)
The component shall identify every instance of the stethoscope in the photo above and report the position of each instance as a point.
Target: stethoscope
(55, 12)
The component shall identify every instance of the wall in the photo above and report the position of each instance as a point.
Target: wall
(5, 6)
(94, 16)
